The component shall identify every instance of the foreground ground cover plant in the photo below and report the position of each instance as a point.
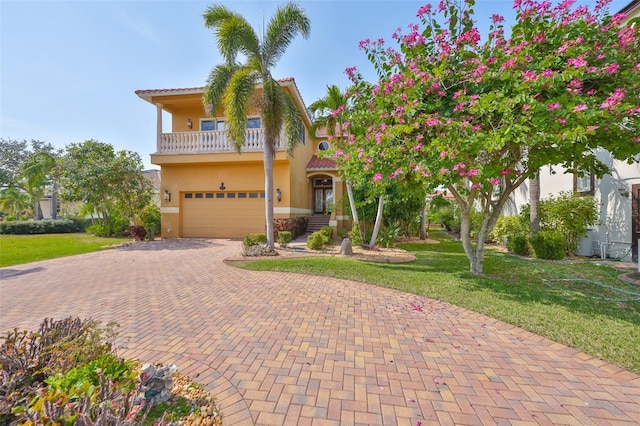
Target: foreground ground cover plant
(67, 373)
(479, 114)
(579, 303)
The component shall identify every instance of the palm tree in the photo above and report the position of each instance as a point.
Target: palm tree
(36, 172)
(14, 200)
(328, 113)
(239, 86)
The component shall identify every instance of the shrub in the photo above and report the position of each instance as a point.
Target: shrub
(327, 231)
(507, 227)
(317, 240)
(151, 219)
(254, 239)
(387, 236)
(39, 227)
(284, 238)
(449, 218)
(256, 245)
(296, 225)
(518, 244)
(549, 244)
(570, 214)
(354, 234)
(99, 230)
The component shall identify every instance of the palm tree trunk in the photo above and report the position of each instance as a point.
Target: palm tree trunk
(268, 189)
(376, 227)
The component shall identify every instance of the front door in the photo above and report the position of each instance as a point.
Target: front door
(635, 220)
(322, 195)
(323, 200)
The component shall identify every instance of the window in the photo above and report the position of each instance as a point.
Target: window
(198, 194)
(253, 195)
(242, 195)
(188, 195)
(209, 195)
(253, 123)
(208, 124)
(303, 135)
(231, 195)
(219, 194)
(583, 184)
(323, 146)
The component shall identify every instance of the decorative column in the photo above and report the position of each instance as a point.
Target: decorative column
(158, 126)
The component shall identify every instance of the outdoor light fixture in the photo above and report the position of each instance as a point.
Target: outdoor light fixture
(222, 187)
(189, 123)
(167, 196)
(624, 192)
(278, 195)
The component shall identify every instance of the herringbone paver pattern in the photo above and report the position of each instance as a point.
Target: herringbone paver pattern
(278, 348)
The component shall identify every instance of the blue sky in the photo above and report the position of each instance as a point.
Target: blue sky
(69, 69)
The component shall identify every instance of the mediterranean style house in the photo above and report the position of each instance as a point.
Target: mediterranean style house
(208, 189)
(618, 193)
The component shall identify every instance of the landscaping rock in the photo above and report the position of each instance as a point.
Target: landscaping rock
(346, 248)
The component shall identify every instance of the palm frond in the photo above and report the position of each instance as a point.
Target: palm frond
(236, 104)
(288, 21)
(323, 109)
(216, 86)
(233, 32)
(272, 109)
(293, 124)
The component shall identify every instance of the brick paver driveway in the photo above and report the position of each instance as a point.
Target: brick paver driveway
(278, 348)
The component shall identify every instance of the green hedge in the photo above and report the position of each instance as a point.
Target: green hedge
(548, 244)
(63, 226)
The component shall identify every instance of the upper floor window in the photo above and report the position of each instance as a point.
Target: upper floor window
(583, 184)
(253, 123)
(208, 124)
(323, 146)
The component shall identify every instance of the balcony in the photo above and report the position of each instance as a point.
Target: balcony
(210, 142)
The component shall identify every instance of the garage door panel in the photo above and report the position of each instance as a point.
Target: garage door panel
(222, 214)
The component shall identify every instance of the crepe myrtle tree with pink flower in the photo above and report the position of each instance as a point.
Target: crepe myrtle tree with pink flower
(479, 118)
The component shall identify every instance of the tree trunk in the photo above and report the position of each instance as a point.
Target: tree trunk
(354, 211)
(37, 210)
(424, 225)
(268, 190)
(534, 203)
(376, 227)
(54, 200)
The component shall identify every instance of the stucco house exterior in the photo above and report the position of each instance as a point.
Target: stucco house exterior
(618, 194)
(211, 190)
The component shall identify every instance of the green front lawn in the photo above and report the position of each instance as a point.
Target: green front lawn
(18, 249)
(578, 303)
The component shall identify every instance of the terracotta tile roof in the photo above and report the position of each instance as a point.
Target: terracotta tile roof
(321, 164)
(148, 94)
(182, 89)
(194, 89)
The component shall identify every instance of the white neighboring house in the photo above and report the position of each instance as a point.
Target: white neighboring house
(618, 193)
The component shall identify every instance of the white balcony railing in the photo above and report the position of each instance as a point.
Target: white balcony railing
(210, 141)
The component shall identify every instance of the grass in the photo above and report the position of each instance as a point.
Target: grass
(581, 304)
(19, 249)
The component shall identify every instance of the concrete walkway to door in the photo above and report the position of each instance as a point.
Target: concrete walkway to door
(277, 348)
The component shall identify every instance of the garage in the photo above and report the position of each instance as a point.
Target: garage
(222, 214)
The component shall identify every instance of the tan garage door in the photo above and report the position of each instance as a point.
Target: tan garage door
(222, 214)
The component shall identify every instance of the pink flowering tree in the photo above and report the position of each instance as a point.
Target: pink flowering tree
(480, 114)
